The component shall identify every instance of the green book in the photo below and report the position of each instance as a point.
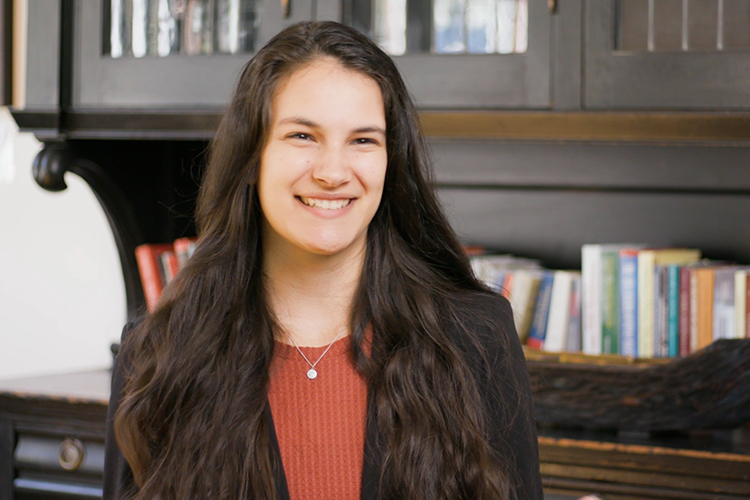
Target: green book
(610, 302)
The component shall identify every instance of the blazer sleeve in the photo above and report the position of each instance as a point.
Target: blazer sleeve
(118, 478)
(506, 389)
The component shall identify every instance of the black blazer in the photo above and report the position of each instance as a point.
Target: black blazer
(516, 440)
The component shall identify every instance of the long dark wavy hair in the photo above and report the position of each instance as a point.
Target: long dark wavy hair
(191, 423)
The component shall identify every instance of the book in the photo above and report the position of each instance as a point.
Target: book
(538, 328)
(723, 308)
(169, 265)
(740, 303)
(184, 248)
(647, 260)
(522, 299)
(685, 312)
(704, 304)
(591, 302)
(573, 343)
(661, 311)
(673, 311)
(555, 338)
(610, 301)
(629, 302)
(147, 257)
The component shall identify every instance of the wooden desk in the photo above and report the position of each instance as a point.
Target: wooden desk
(37, 415)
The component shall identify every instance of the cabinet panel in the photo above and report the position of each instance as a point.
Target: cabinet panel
(175, 81)
(673, 68)
(466, 79)
(553, 224)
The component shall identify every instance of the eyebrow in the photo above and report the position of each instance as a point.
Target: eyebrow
(308, 123)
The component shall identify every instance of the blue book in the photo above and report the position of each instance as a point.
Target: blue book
(673, 311)
(629, 302)
(541, 312)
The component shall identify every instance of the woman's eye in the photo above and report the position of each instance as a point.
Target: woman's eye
(302, 136)
(365, 140)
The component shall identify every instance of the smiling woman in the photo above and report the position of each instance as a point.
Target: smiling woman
(328, 338)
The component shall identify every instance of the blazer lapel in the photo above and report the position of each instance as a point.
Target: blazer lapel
(373, 455)
(282, 490)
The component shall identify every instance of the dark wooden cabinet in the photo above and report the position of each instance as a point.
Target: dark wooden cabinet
(659, 67)
(52, 436)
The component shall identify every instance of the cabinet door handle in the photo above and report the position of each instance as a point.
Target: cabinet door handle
(71, 454)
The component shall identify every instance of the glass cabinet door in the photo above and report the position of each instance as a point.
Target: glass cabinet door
(170, 53)
(667, 54)
(460, 53)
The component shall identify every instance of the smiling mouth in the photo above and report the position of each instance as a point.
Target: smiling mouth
(325, 204)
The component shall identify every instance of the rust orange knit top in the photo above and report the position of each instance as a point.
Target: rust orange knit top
(320, 423)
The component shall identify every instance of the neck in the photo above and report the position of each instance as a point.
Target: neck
(311, 295)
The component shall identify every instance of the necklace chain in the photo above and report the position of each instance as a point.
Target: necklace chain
(312, 373)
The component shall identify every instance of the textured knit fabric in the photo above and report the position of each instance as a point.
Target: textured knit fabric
(320, 423)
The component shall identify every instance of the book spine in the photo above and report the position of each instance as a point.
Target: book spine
(147, 257)
(591, 276)
(705, 306)
(541, 313)
(740, 303)
(522, 298)
(723, 317)
(628, 303)
(693, 310)
(660, 311)
(559, 308)
(610, 302)
(684, 311)
(673, 311)
(507, 286)
(646, 262)
(573, 343)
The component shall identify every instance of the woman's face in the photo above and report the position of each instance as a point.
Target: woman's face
(323, 168)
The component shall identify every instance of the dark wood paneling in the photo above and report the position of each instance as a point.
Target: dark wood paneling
(6, 52)
(667, 80)
(645, 167)
(6, 458)
(592, 126)
(566, 54)
(552, 225)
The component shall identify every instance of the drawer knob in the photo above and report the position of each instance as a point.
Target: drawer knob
(71, 454)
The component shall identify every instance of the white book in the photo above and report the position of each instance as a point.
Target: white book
(591, 311)
(555, 339)
(740, 304)
(591, 294)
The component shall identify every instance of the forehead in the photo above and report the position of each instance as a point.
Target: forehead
(324, 87)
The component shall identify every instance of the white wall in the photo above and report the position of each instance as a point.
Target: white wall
(62, 295)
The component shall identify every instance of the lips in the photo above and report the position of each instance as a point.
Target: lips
(326, 204)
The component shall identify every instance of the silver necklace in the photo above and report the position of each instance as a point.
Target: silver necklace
(312, 374)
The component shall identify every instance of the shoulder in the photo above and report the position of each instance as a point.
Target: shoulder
(485, 316)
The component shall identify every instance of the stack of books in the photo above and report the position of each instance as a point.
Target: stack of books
(659, 302)
(546, 304)
(158, 263)
(628, 299)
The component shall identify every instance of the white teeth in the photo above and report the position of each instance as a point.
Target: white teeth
(325, 204)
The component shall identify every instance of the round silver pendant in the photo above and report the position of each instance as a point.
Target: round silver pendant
(312, 374)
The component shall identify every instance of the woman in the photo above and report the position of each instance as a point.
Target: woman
(328, 338)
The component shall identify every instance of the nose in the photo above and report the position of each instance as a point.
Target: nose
(332, 168)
